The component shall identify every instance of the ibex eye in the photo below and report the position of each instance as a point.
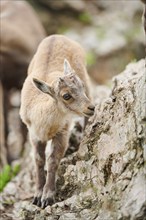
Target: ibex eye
(67, 96)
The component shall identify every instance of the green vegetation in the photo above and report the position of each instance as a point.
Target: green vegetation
(90, 58)
(62, 29)
(7, 174)
(85, 18)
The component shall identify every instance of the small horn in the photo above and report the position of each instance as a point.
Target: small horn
(67, 67)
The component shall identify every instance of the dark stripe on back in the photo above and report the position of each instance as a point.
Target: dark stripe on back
(50, 49)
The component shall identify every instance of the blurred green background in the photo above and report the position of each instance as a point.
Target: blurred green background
(111, 31)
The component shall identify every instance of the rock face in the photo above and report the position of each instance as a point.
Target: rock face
(104, 179)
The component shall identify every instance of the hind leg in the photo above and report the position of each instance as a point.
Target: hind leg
(39, 150)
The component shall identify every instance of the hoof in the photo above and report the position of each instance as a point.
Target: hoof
(46, 202)
(37, 201)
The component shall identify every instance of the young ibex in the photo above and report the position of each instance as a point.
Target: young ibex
(55, 89)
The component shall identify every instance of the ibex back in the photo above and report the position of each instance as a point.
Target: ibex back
(55, 89)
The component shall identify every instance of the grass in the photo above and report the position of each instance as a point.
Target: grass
(90, 58)
(7, 174)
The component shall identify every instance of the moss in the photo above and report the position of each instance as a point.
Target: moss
(8, 202)
(87, 186)
(7, 174)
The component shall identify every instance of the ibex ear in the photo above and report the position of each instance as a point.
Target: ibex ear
(44, 87)
(67, 67)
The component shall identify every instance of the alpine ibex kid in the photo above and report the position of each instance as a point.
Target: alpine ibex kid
(56, 88)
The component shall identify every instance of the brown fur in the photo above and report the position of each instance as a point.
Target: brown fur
(45, 109)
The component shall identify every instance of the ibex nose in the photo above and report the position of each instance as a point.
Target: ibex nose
(91, 107)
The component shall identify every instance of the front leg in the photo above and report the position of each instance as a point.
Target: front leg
(39, 151)
(59, 146)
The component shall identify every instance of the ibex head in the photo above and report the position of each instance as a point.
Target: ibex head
(69, 92)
